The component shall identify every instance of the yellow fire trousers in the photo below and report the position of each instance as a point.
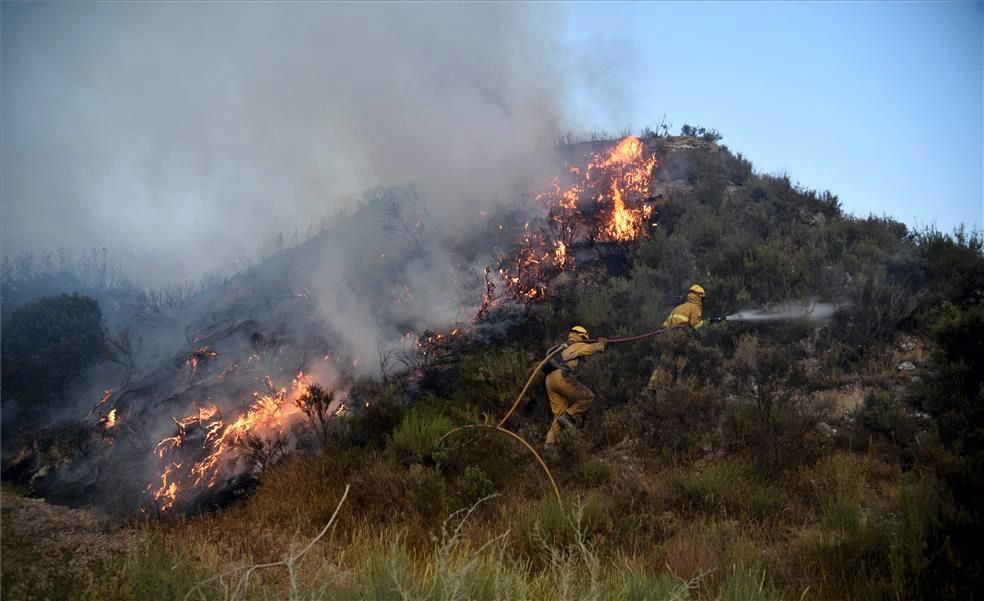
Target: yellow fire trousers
(567, 395)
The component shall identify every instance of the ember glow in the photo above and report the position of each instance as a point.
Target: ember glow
(206, 446)
(105, 397)
(605, 202)
(202, 354)
(110, 418)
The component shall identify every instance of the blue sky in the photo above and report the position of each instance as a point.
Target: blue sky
(880, 103)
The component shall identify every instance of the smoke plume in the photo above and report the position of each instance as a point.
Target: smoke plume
(186, 137)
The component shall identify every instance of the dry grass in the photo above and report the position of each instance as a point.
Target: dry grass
(716, 530)
(57, 552)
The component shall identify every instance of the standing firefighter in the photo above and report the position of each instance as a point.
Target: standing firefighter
(568, 397)
(690, 311)
(686, 314)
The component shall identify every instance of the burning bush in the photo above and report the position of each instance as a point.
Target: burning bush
(606, 201)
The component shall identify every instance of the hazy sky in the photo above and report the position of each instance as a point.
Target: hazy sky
(879, 102)
(184, 136)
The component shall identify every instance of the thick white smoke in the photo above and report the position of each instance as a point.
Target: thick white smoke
(185, 137)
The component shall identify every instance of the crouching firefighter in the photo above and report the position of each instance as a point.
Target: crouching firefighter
(568, 397)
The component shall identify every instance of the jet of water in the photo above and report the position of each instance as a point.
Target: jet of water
(787, 312)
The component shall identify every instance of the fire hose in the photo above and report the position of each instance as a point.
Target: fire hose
(562, 347)
(499, 427)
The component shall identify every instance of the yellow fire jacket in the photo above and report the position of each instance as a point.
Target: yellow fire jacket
(689, 312)
(574, 354)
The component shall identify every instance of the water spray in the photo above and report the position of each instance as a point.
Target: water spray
(787, 312)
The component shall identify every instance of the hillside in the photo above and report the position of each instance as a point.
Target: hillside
(791, 456)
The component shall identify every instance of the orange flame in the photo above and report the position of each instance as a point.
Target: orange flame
(201, 354)
(618, 183)
(629, 173)
(105, 397)
(268, 415)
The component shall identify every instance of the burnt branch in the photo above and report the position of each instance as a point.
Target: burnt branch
(386, 364)
(316, 404)
(398, 221)
(261, 453)
(123, 350)
(489, 297)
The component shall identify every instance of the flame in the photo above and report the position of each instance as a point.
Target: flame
(629, 175)
(204, 414)
(105, 397)
(625, 223)
(560, 253)
(267, 416)
(111, 418)
(618, 183)
(201, 354)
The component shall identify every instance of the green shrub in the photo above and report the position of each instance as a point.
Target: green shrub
(388, 577)
(595, 472)
(954, 263)
(838, 483)
(732, 488)
(880, 303)
(472, 486)
(868, 550)
(637, 586)
(884, 413)
(679, 422)
(427, 492)
(377, 409)
(416, 437)
(912, 530)
(748, 583)
(151, 572)
(490, 380)
(771, 415)
(46, 344)
(543, 525)
(954, 450)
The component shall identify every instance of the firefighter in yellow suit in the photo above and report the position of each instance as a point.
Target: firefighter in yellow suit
(568, 397)
(690, 311)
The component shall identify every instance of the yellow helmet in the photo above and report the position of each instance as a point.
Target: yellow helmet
(580, 331)
(697, 289)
